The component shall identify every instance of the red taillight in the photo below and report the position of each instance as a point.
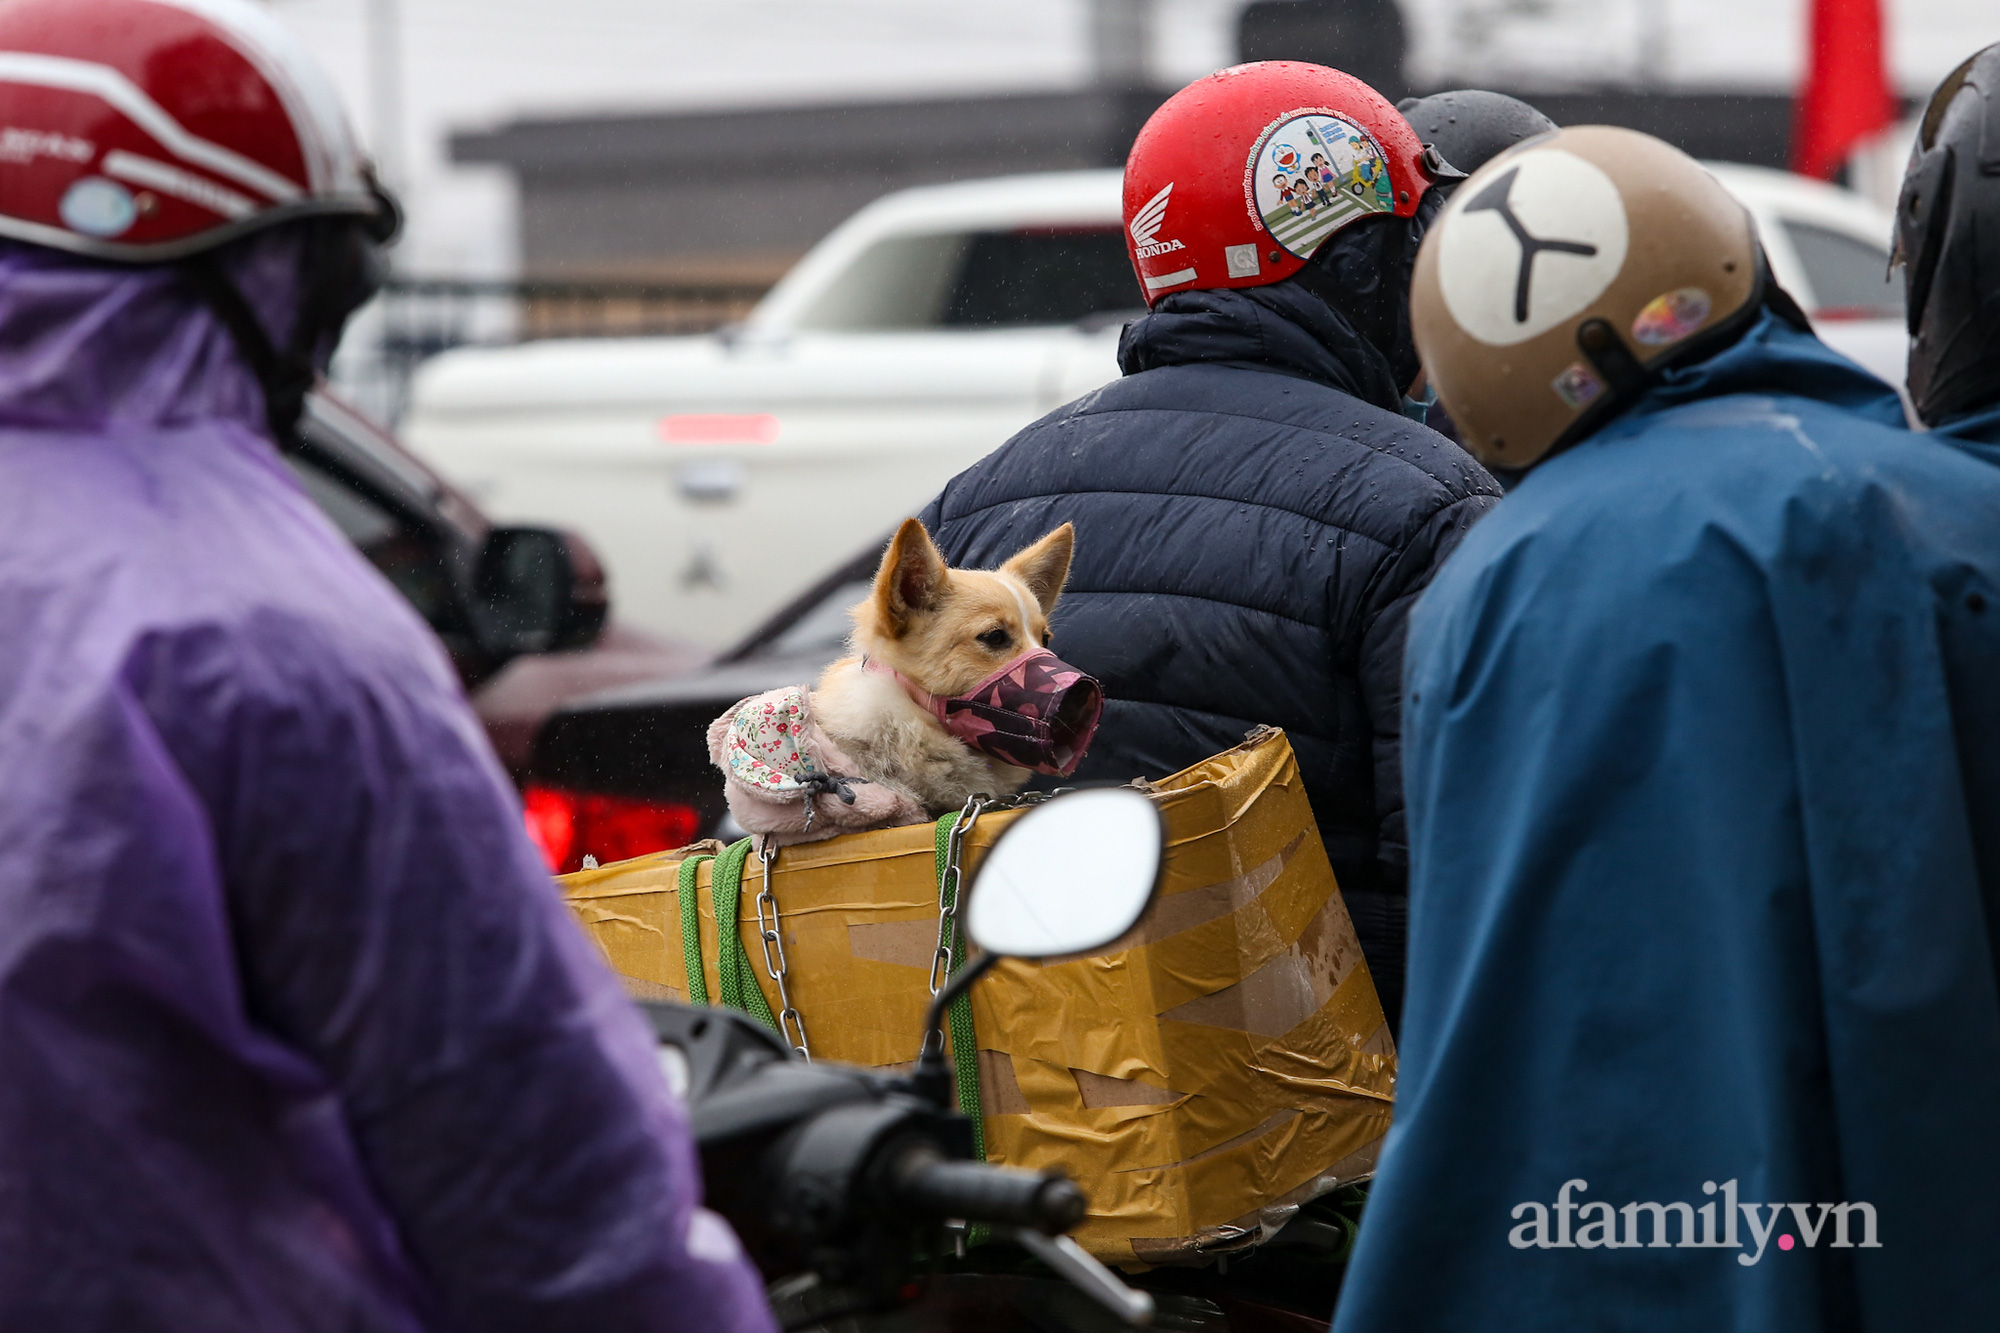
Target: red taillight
(551, 817)
(570, 825)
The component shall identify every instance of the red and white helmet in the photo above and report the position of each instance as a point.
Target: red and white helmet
(146, 130)
(1239, 177)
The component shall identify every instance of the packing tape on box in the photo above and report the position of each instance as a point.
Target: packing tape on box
(1199, 1078)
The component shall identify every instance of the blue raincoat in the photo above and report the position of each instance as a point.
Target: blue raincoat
(294, 1033)
(1702, 756)
(1978, 433)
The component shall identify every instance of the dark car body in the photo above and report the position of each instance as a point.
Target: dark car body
(649, 742)
(438, 550)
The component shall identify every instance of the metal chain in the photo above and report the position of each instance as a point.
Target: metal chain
(948, 885)
(789, 1018)
(949, 882)
(791, 1023)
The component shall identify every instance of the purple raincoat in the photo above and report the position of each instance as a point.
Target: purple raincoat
(294, 1032)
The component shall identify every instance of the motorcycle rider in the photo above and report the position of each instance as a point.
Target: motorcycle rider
(1471, 126)
(1254, 512)
(294, 1031)
(1948, 244)
(1703, 768)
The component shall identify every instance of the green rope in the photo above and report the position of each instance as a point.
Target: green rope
(732, 965)
(691, 930)
(964, 1042)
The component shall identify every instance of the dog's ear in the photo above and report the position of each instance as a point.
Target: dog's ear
(1044, 567)
(911, 578)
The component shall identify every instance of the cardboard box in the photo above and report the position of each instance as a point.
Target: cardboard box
(1221, 1064)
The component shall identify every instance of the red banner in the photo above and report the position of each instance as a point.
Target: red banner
(1846, 96)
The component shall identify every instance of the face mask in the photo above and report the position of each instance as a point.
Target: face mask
(1419, 409)
(1036, 712)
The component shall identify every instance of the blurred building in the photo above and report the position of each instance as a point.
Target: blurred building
(733, 198)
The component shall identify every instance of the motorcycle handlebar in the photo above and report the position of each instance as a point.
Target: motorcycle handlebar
(927, 1182)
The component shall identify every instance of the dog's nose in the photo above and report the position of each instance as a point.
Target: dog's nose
(1075, 722)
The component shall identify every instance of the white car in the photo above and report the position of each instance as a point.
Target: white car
(719, 476)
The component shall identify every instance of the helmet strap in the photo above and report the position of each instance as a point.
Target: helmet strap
(1597, 340)
(285, 376)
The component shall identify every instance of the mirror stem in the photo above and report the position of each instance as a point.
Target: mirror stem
(932, 1075)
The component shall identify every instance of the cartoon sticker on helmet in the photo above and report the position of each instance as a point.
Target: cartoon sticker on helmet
(1312, 174)
(1578, 385)
(1671, 316)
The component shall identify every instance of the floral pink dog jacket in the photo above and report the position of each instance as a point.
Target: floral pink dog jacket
(785, 777)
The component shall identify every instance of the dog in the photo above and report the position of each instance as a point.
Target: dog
(950, 691)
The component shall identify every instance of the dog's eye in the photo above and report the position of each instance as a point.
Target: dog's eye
(996, 639)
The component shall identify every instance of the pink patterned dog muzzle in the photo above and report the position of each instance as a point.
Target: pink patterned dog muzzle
(1036, 712)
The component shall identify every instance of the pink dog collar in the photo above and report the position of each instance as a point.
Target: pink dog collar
(923, 698)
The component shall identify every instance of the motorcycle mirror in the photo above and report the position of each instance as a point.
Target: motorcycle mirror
(1070, 876)
(536, 590)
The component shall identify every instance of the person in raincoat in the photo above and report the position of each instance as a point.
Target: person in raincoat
(1948, 246)
(1702, 760)
(294, 1033)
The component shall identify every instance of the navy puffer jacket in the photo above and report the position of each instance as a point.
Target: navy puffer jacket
(1254, 517)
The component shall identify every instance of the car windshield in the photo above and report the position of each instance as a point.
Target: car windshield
(981, 280)
(1848, 276)
(822, 627)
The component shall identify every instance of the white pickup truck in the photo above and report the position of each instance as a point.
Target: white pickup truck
(718, 476)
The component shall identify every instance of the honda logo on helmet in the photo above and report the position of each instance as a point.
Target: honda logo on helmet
(1146, 225)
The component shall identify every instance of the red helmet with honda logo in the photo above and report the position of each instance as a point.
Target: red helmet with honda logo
(146, 130)
(1239, 177)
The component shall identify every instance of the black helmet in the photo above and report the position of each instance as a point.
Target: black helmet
(1470, 126)
(1948, 242)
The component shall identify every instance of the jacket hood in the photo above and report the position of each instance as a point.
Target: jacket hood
(1977, 433)
(1343, 321)
(1772, 357)
(86, 344)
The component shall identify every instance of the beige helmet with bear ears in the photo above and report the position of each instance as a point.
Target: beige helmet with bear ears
(1565, 275)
